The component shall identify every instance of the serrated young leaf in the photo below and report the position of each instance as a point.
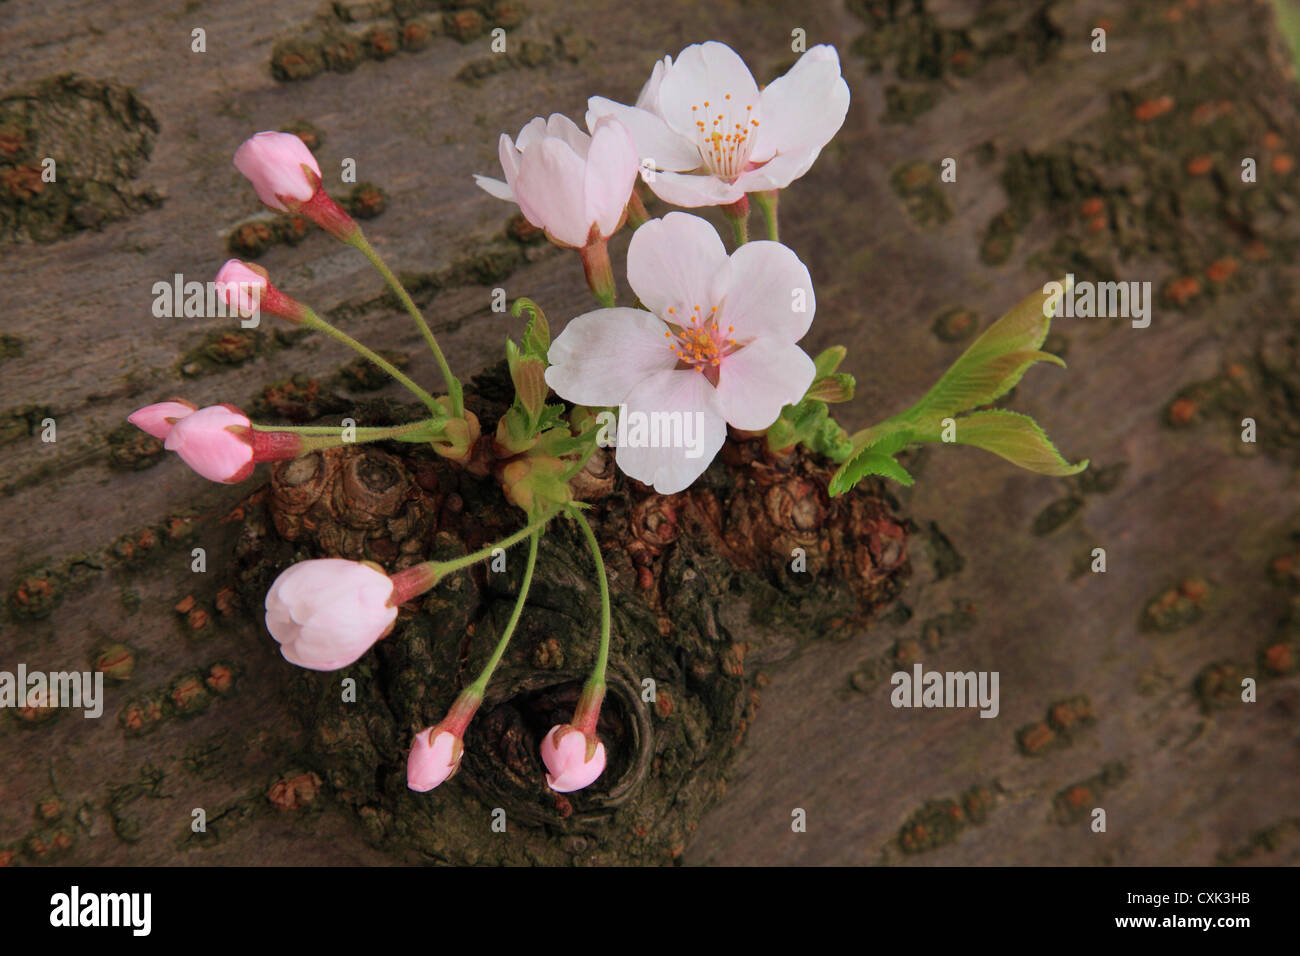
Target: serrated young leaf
(537, 334)
(512, 355)
(869, 462)
(962, 388)
(1012, 436)
(890, 436)
(830, 439)
(1023, 329)
(529, 376)
(557, 442)
(832, 388)
(551, 416)
(987, 370)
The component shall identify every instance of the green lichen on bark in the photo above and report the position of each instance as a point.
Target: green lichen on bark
(70, 149)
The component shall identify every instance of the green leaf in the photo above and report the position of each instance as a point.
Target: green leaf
(537, 334)
(551, 416)
(975, 384)
(830, 439)
(986, 371)
(864, 463)
(558, 442)
(1012, 436)
(781, 434)
(832, 388)
(1023, 329)
(529, 376)
(995, 361)
(827, 362)
(889, 436)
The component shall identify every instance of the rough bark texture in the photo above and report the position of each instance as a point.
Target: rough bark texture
(1118, 690)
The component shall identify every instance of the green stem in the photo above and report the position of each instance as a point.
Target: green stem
(415, 580)
(767, 203)
(479, 686)
(739, 230)
(313, 321)
(373, 434)
(597, 679)
(455, 564)
(331, 436)
(359, 241)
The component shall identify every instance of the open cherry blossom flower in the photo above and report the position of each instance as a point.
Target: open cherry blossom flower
(706, 134)
(327, 612)
(572, 185)
(716, 347)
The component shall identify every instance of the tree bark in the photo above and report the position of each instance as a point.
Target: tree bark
(1120, 690)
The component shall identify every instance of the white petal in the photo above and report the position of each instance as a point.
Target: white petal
(768, 287)
(601, 355)
(779, 172)
(648, 98)
(561, 127)
(755, 382)
(611, 173)
(804, 108)
(550, 190)
(709, 72)
(534, 131)
(673, 263)
(697, 435)
(494, 187)
(691, 190)
(509, 157)
(655, 142)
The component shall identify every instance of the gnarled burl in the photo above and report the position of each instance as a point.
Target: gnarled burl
(704, 592)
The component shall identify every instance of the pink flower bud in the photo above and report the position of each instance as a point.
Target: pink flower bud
(220, 443)
(158, 419)
(287, 179)
(246, 289)
(574, 186)
(326, 613)
(241, 287)
(216, 442)
(280, 167)
(574, 758)
(435, 756)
